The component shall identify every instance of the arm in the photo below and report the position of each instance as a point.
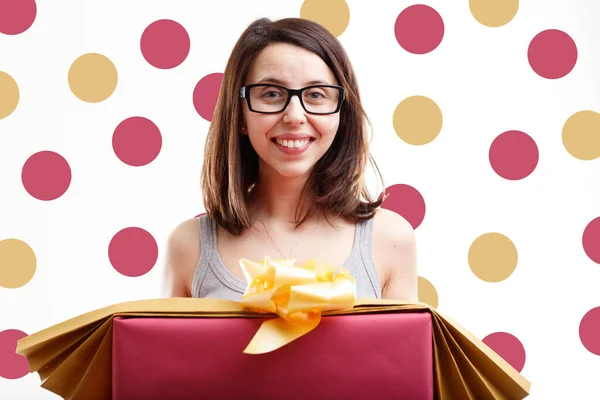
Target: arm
(397, 244)
(182, 254)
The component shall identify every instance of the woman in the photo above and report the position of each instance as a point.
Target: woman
(283, 173)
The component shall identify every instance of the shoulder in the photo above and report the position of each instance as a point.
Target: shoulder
(392, 229)
(394, 250)
(185, 237)
(182, 253)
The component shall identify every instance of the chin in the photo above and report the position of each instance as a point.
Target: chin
(288, 169)
(293, 172)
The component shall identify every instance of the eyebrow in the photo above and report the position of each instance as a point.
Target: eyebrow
(276, 81)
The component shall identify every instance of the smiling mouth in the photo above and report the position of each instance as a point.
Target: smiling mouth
(293, 144)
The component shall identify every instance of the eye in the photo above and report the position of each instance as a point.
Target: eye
(316, 95)
(271, 93)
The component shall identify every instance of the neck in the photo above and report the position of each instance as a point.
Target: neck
(276, 198)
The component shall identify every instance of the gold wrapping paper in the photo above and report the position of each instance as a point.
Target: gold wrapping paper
(73, 358)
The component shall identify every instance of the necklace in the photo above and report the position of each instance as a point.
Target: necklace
(285, 256)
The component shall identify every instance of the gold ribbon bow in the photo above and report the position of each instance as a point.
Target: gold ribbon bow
(298, 294)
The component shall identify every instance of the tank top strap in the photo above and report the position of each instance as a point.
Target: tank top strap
(208, 238)
(208, 244)
(365, 249)
(365, 236)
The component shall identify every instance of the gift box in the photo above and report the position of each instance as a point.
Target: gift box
(369, 356)
(194, 348)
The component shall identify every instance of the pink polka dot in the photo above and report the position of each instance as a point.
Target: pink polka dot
(206, 94)
(165, 44)
(137, 141)
(419, 29)
(133, 252)
(46, 175)
(406, 201)
(513, 155)
(13, 365)
(508, 347)
(552, 54)
(589, 331)
(591, 240)
(16, 16)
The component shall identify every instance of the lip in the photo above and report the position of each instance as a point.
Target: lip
(293, 136)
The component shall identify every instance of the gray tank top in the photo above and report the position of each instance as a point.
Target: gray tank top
(213, 280)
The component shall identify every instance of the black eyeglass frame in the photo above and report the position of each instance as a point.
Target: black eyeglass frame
(290, 93)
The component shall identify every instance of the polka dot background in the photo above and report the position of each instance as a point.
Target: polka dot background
(580, 135)
(333, 15)
(13, 366)
(513, 155)
(552, 54)
(46, 175)
(16, 16)
(133, 251)
(417, 120)
(17, 263)
(406, 201)
(165, 44)
(10, 95)
(485, 130)
(493, 257)
(137, 141)
(419, 29)
(93, 77)
(494, 13)
(508, 347)
(206, 93)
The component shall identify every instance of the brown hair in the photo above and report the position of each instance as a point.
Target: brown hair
(230, 162)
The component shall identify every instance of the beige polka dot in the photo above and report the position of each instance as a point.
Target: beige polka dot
(581, 135)
(334, 15)
(93, 78)
(493, 257)
(9, 95)
(17, 263)
(494, 13)
(417, 120)
(427, 292)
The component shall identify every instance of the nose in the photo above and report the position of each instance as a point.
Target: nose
(294, 113)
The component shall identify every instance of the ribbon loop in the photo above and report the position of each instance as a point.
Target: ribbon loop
(297, 294)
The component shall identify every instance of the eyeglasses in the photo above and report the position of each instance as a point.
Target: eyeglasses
(272, 99)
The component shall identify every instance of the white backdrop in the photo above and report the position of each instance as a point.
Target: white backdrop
(543, 317)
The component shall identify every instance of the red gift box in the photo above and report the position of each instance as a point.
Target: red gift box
(360, 356)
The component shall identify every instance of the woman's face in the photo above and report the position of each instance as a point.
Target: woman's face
(290, 142)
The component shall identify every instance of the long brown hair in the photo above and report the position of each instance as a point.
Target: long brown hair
(230, 163)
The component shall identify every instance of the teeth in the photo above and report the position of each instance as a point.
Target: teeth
(292, 144)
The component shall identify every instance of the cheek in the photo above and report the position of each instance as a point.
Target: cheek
(259, 125)
(327, 127)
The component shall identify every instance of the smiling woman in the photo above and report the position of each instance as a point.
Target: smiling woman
(276, 115)
(284, 170)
